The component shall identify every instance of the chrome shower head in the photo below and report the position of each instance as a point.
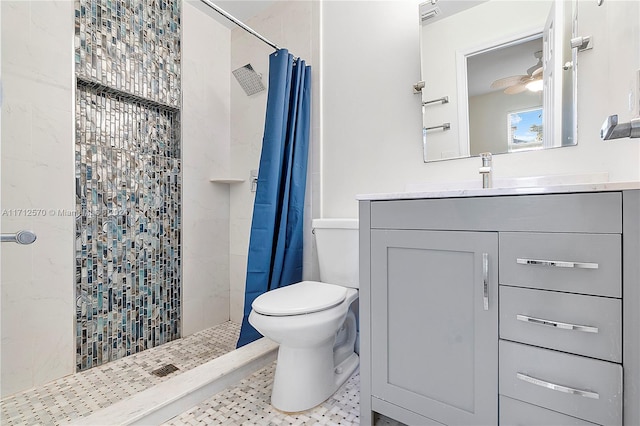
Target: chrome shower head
(250, 81)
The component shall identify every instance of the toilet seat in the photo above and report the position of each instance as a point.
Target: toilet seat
(297, 299)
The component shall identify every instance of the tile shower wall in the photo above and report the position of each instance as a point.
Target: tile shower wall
(128, 177)
(130, 45)
(205, 122)
(37, 167)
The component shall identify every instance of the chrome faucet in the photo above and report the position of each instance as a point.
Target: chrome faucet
(485, 170)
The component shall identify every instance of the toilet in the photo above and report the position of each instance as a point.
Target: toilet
(314, 322)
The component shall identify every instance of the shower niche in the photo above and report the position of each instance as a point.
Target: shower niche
(128, 177)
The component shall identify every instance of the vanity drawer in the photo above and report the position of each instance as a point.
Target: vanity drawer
(577, 386)
(574, 263)
(597, 212)
(518, 413)
(585, 325)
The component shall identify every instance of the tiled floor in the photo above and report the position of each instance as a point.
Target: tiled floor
(83, 393)
(246, 403)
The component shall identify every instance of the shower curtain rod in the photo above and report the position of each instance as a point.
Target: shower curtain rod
(239, 23)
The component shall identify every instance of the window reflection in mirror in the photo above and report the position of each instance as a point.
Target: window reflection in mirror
(500, 83)
(524, 130)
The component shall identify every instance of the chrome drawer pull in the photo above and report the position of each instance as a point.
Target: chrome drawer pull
(557, 263)
(557, 324)
(485, 281)
(559, 388)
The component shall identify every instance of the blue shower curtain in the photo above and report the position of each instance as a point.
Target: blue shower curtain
(275, 245)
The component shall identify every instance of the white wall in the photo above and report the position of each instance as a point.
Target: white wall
(205, 154)
(38, 309)
(246, 142)
(292, 25)
(372, 121)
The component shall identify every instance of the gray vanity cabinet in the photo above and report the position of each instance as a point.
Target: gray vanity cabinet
(433, 343)
(510, 309)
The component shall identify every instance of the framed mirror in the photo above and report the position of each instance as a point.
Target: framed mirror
(507, 71)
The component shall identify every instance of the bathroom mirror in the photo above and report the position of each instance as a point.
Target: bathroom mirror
(499, 76)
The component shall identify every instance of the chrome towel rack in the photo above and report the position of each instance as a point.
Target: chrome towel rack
(442, 100)
(443, 126)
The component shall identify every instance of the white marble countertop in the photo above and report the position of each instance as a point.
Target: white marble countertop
(492, 192)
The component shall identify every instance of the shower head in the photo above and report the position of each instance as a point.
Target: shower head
(250, 81)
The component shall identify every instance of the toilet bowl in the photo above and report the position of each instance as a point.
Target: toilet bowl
(314, 324)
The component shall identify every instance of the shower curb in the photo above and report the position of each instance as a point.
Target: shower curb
(172, 397)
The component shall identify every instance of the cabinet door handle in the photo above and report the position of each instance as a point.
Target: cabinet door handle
(557, 324)
(557, 263)
(485, 281)
(559, 388)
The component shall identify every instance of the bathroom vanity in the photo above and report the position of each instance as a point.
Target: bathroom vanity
(501, 306)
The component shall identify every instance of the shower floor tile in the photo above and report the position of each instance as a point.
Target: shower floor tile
(83, 393)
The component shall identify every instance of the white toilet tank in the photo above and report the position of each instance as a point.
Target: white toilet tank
(337, 245)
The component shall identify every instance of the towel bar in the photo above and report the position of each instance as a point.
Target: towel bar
(443, 100)
(20, 237)
(444, 126)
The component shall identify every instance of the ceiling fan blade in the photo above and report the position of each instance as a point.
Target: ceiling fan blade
(518, 88)
(537, 68)
(507, 81)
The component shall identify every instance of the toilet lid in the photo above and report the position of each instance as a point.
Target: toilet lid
(301, 298)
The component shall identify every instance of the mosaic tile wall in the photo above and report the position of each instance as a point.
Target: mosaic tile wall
(130, 45)
(128, 177)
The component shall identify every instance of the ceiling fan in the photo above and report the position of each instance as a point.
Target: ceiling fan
(519, 83)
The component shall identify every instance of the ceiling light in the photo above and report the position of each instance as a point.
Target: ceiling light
(535, 85)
